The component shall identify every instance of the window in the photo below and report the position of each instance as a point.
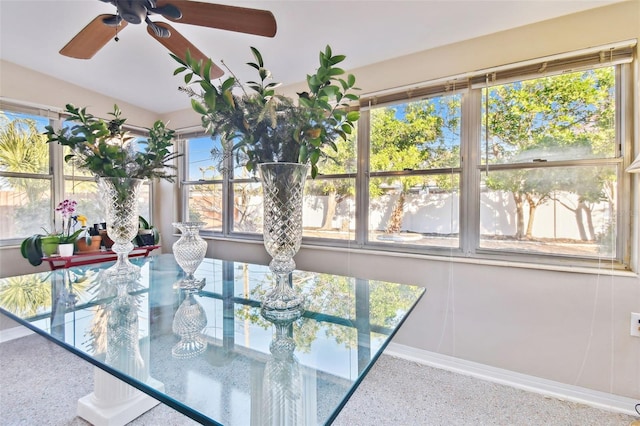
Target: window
(25, 179)
(414, 163)
(553, 187)
(523, 162)
(329, 211)
(34, 177)
(203, 184)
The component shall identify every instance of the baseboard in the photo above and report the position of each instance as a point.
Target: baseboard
(14, 333)
(562, 391)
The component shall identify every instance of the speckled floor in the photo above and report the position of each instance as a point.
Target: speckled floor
(396, 392)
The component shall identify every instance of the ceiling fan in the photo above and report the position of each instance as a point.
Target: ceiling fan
(104, 27)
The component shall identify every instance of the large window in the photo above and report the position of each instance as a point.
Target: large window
(552, 182)
(522, 162)
(329, 210)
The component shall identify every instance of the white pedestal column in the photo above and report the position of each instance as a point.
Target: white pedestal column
(115, 403)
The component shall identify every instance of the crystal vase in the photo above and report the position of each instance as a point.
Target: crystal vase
(120, 197)
(189, 252)
(283, 193)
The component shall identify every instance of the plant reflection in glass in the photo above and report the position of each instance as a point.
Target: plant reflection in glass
(28, 295)
(335, 295)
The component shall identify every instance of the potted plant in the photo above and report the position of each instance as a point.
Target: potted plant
(280, 138)
(91, 240)
(33, 248)
(67, 238)
(107, 150)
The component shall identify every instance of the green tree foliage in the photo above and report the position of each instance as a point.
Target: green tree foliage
(24, 150)
(25, 295)
(414, 136)
(565, 117)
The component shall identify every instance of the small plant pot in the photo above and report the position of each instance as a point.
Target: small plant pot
(49, 245)
(96, 240)
(66, 250)
(145, 237)
(106, 241)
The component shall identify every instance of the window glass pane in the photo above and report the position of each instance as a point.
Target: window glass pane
(247, 207)
(204, 204)
(23, 148)
(565, 117)
(144, 202)
(25, 207)
(205, 159)
(85, 193)
(329, 208)
(417, 210)
(416, 135)
(69, 167)
(344, 160)
(551, 210)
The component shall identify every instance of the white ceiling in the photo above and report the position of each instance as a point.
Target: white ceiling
(138, 70)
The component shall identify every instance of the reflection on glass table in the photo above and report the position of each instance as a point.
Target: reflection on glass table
(209, 353)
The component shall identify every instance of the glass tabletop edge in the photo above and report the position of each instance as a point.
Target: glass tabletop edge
(370, 365)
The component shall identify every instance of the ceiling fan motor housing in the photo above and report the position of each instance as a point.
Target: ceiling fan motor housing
(134, 11)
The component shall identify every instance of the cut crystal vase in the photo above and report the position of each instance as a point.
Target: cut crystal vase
(120, 197)
(283, 193)
(189, 252)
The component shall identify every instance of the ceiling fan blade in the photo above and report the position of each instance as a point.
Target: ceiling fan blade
(91, 38)
(179, 45)
(231, 18)
(168, 11)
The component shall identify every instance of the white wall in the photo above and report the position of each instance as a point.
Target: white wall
(29, 86)
(571, 327)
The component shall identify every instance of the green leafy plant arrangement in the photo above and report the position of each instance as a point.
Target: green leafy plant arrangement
(263, 126)
(105, 149)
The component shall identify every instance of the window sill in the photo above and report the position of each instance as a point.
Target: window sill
(376, 251)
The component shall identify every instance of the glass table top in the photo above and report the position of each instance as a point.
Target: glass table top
(210, 354)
